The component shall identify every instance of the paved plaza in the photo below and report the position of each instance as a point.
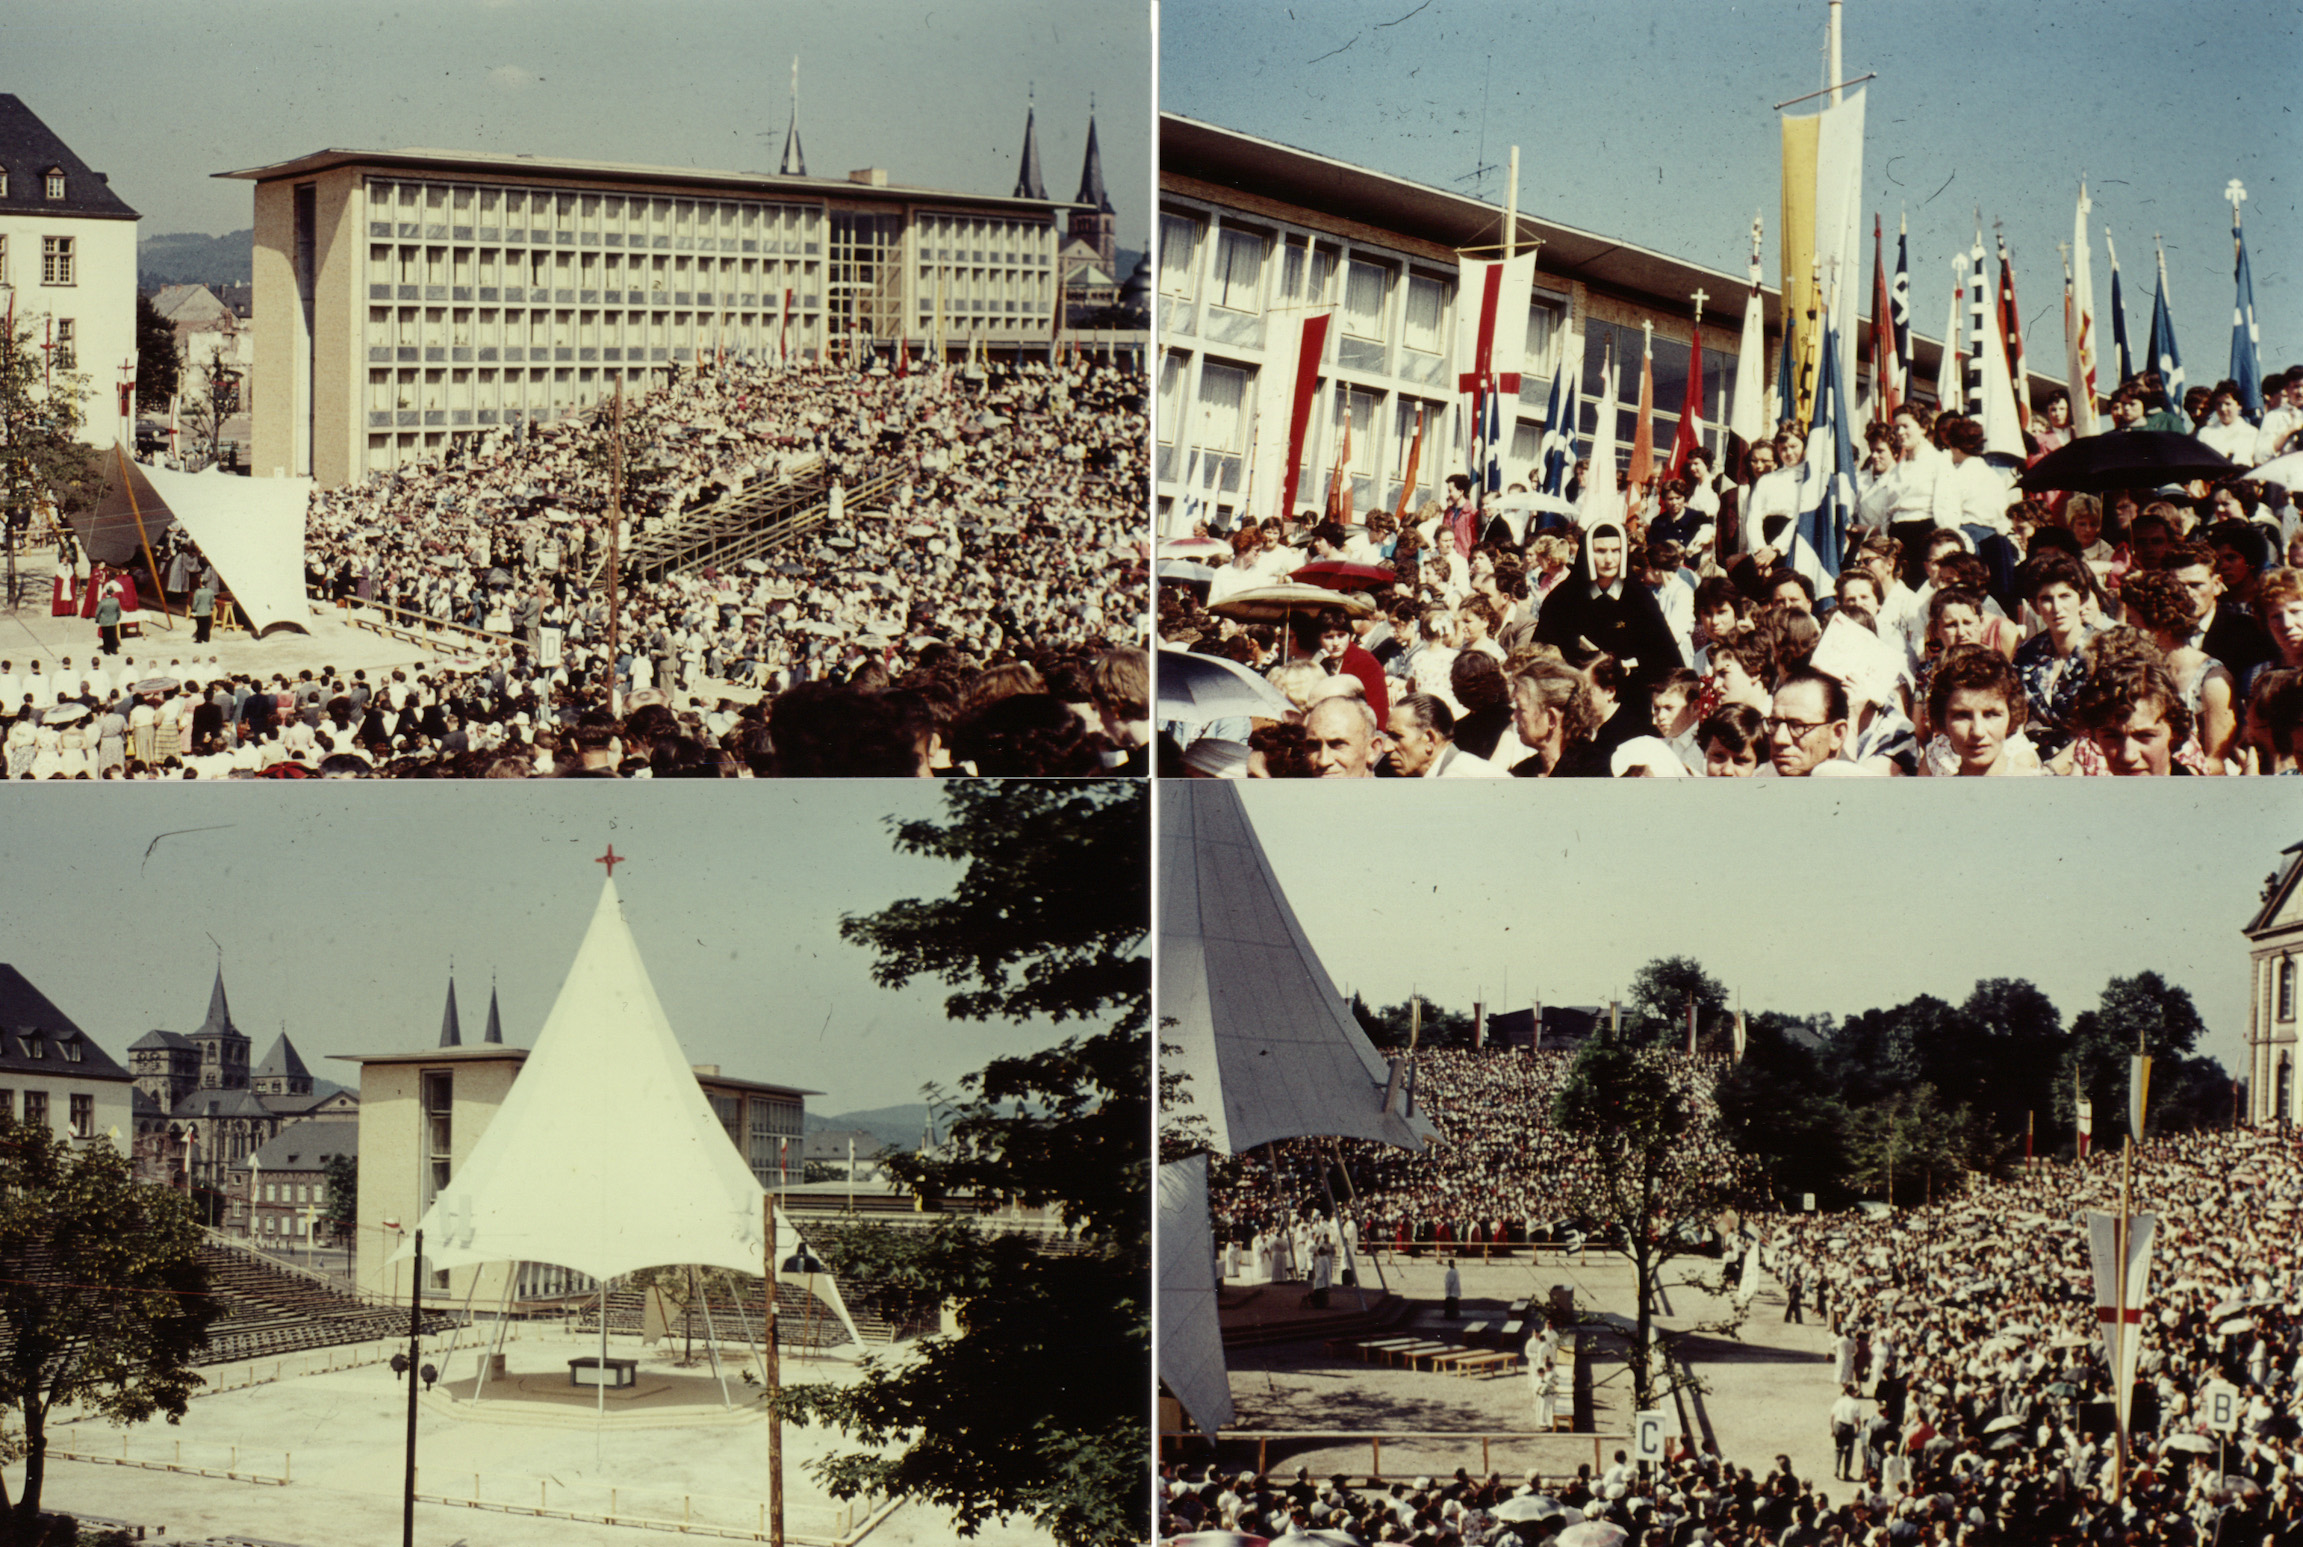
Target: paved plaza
(1770, 1385)
(332, 1424)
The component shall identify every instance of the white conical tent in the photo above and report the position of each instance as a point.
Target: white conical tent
(1270, 1048)
(605, 1157)
(1191, 1361)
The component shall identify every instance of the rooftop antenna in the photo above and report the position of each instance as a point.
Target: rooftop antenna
(1477, 176)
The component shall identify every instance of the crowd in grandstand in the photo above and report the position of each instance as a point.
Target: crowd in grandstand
(1685, 627)
(1499, 1175)
(984, 614)
(1971, 1394)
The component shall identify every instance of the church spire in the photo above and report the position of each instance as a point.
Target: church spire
(1029, 184)
(795, 162)
(219, 1021)
(495, 1031)
(1092, 172)
(451, 1030)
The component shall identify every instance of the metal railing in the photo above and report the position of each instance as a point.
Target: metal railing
(1375, 1441)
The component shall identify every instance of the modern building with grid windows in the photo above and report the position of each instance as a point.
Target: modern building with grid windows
(1253, 233)
(415, 297)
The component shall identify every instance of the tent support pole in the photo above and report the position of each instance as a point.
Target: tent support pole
(496, 1343)
(456, 1333)
(600, 1384)
(712, 1347)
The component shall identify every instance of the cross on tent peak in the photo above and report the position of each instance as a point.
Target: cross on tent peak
(612, 859)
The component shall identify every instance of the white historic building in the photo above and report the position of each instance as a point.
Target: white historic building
(67, 264)
(2275, 963)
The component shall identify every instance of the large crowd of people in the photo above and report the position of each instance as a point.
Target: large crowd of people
(1971, 1395)
(1685, 627)
(1500, 1174)
(984, 613)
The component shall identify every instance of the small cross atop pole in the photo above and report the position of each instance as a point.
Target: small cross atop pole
(612, 859)
(2234, 195)
(1699, 298)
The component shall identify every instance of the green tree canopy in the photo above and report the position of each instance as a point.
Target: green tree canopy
(1652, 1176)
(1038, 1406)
(102, 1293)
(159, 363)
(41, 457)
(1660, 994)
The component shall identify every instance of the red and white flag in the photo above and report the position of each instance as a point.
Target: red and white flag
(1641, 472)
(2120, 1293)
(1491, 322)
(2086, 1125)
(1886, 365)
(1687, 440)
(783, 331)
(1284, 393)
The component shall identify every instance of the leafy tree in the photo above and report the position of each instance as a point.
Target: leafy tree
(206, 414)
(43, 465)
(342, 1210)
(1392, 1025)
(159, 363)
(1777, 1106)
(1650, 1180)
(102, 1293)
(2143, 1013)
(1657, 1011)
(1038, 1405)
(1911, 1147)
(2014, 1046)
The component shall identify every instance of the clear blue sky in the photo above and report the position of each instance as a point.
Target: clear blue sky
(1842, 898)
(162, 96)
(340, 909)
(1653, 122)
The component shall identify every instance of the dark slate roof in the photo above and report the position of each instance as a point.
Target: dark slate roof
(282, 1061)
(495, 1031)
(1092, 175)
(451, 1028)
(219, 1021)
(156, 1038)
(144, 1106)
(291, 1105)
(30, 1020)
(29, 149)
(307, 1146)
(228, 1103)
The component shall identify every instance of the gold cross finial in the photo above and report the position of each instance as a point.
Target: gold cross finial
(1699, 298)
(2235, 195)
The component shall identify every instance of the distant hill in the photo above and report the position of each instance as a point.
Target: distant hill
(190, 258)
(896, 1126)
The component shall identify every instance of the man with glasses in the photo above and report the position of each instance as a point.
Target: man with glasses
(1808, 725)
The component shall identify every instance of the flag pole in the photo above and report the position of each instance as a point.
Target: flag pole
(770, 1362)
(2119, 1326)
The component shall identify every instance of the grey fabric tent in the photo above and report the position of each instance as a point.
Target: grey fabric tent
(1191, 1362)
(1270, 1049)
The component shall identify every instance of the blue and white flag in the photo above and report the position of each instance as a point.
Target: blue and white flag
(2246, 342)
(2118, 315)
(1491, 477)
(1827, 479)
(1560, 416)
(2166, 359)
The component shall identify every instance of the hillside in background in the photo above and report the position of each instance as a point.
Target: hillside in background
(896, 1126)
(189, 258)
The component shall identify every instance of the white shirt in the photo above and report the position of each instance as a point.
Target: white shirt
(2277, 424)
(1973, 493)
(1907, 491)
(1231, 579)
(1775, 494)
(2235, 440)
(1455, 763)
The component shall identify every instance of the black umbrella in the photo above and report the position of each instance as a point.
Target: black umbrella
(2127, 459)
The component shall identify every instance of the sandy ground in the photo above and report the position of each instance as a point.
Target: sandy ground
(30, 633)
(1769, 1383)
(669, 1450)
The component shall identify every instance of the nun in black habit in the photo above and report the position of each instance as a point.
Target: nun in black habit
(1603, 611)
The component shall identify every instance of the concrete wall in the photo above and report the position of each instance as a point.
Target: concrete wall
(100, 302)
(392, 1160)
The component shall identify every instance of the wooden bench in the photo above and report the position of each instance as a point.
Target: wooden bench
(1415, 1356)
(1370, 1348)
(1482, 1364)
